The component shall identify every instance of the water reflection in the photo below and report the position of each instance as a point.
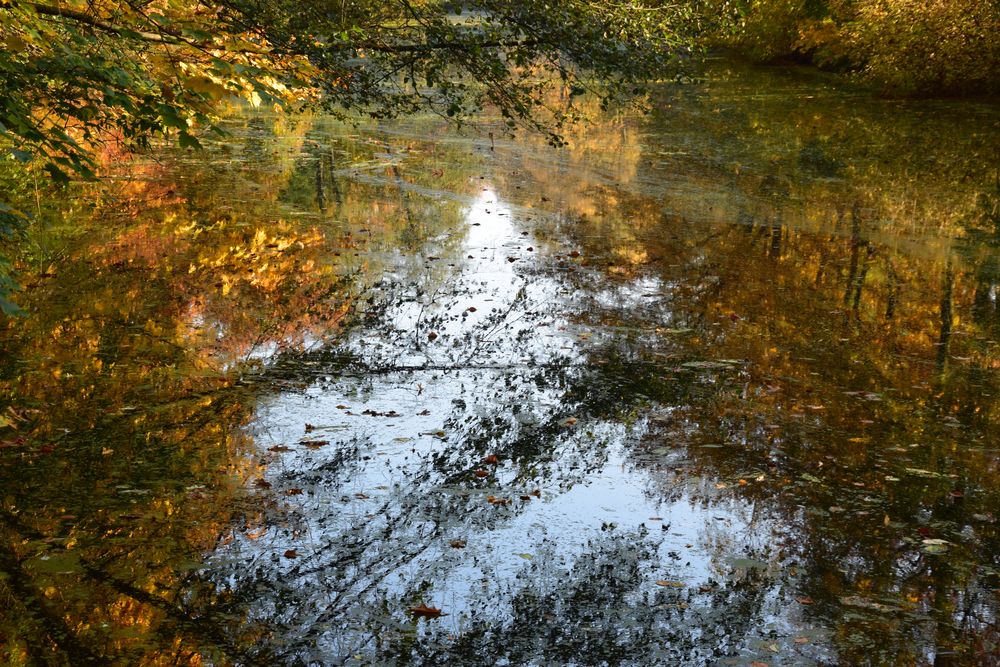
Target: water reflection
(714, 387)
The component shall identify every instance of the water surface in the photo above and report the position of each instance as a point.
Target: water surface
(715, 385)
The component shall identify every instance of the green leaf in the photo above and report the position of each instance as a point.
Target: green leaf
(187, 140)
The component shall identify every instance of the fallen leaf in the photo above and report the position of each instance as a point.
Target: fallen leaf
(426, 612)
(293, 492)
(858, 601)
(457, 544)
(569, 421)
(525, 497)
(491, 459)
(493, 500)
(801, 640)
(537, 493)
(314, 444)
(758, 663)
(481, 473)
(279, 448)
(432, 335)
(670, 584)
(805, 599)
(262, 483)
(360, 496)
(291, 553)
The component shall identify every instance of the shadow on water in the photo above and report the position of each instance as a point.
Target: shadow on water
(715, 386)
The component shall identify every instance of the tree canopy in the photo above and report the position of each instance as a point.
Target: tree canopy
(74, 73)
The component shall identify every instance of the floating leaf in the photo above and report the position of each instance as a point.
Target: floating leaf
(423, 611)
(864, 603)
(314, 444)
(920, 472)
(935, 546)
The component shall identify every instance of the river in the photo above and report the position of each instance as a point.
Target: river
(713, 385)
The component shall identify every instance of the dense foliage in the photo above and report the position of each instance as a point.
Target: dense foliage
(908, 47)
(79, 74)
(83, 71)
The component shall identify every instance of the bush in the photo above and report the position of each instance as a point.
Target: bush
(908, 47)
(927, 47)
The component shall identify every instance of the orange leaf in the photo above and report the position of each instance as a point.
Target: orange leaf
(425, 611)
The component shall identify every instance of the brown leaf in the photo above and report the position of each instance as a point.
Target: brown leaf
(360, 496)
(293, 492)
(758, 663)
(804, 599)
(432, 335)
(525, 497)
(537, 493)
(425, 611)
(314, 444)
(291, 553)
(481, 473)
(457, 544)
(670, 584)
(491, 460)
(279, 448)
(493, 500)
(801, 640)
(262, 483)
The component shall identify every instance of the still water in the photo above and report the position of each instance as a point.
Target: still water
(715, 385)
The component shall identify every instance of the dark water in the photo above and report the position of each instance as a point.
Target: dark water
(714, 386)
